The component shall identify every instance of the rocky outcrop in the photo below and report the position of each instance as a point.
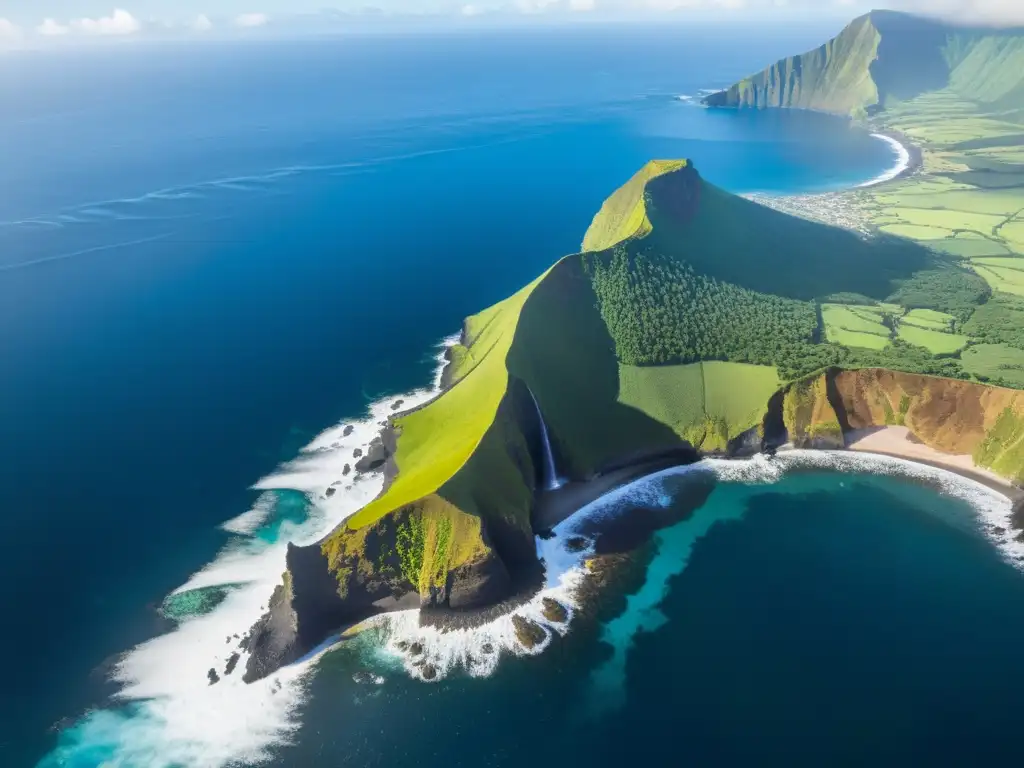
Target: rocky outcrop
(528, 633)
(809, 416)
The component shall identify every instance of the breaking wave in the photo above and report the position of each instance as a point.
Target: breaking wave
(902, 161)
(167, 714)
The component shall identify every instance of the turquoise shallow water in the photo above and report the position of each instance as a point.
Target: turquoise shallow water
(209, 254)
(823, 619)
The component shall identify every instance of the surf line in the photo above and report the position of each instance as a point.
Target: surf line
(901, 166)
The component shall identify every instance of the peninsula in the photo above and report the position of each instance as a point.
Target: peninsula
(697, 322)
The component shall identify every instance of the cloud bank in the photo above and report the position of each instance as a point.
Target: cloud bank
(120, 22)
(252, 20)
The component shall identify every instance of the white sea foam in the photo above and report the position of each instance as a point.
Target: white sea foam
(902, 161)
(171, 715)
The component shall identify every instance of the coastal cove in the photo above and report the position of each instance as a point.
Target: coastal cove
(646, 491)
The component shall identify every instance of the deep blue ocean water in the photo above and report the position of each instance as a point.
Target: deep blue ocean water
(208, 254)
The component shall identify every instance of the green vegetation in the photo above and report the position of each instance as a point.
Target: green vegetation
(436, 441)
(995, 364)
(1003, 447)
(936, 342)
(999, 321)
(950, 289)
(856, 325)
(624, 214)
(707, 404)
(659, 310)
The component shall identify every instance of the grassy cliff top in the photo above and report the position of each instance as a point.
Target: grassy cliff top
(624, 214)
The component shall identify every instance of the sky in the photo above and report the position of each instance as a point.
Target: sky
(53, 22)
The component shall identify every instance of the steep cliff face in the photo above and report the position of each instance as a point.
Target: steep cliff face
(877, 57)
(809, 416)
(952, 416)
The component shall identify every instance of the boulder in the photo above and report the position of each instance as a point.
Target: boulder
(554, 611)
(529, 633)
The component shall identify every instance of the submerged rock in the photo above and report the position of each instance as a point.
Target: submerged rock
(554, 611)
(487, 648)
(363, 677)
(529, 633)
(376, 457)
(576, 544)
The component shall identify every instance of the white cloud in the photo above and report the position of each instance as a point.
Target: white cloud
(50, 28)
(536, 6)
(9, 30)
(202, 23)
(250, 20)
(120, 22)
(582, 5)
(471, 10)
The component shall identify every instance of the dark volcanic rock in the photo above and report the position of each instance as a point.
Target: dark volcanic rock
(1017, 516)
(331, 491)
(554, 611)
(348, 430)
(302, 612)
(347, 470)
(529, 633)
(429, 672)
(487, 648)
(357, 453)
(483, 583)
(376, 457)
(232, 663)
(576, 544)
(212, 676)
(397, 404)
(416, 649)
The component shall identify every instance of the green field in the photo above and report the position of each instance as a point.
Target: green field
(936, 342)
(929, 319)
(671, 394)
(1004, 275)
(707, 403)
(995, 362)
(855, 325)
(738, 393)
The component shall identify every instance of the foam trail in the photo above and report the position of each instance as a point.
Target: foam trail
(83, 252)
(166, 714)
(170, 716)
(902, 161)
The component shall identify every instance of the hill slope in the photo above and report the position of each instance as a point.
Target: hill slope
(884, 58)
(676, 334)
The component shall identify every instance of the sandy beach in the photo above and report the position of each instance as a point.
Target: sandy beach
(896, 441)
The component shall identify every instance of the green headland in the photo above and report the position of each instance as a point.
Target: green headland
(696, 321)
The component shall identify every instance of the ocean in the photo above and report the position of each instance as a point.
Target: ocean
(211, 254)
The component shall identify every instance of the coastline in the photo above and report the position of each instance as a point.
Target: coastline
(910, 157)
(895, 441)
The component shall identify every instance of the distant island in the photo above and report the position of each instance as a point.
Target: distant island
(695, 322)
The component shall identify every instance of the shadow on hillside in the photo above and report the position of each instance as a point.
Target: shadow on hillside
(747, 244)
